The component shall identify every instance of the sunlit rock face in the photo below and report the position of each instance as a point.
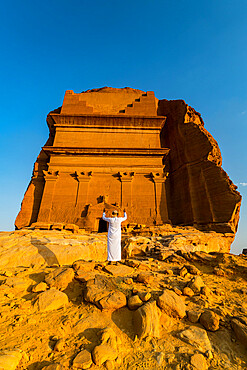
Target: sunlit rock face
(124, 148)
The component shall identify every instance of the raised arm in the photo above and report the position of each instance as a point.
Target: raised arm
(124, 217)
(105, 218)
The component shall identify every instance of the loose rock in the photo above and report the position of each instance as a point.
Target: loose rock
(54, 367)
(146, 321)
(198, 362)
(113, 301)
(118, 270)
(145, 278)
(134, 302)
(197, 337)
(193, 316)
(59, 346)
(188, 292)
(52, 299)
(102, 353)
(144, 296)
(41, 287)
(196, 284)
(60, 278)
(210, 320)
(83, 265)
(83, 360)
(172, 304)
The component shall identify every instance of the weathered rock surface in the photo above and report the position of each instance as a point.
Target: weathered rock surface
(41, 287)
(195, 169)
(137, 246)
(196, 284)
(102, 353)
(26, 248)
(134, 302)
(119, 270)
(9, 360)
(240, 329)
(193, 316)
(52, 299)
(146, 321)
(44, 247)
(197, 337)
(60, 278)
(108, 349)
(104, 294)
(172, 304)
(210, 320)
(83, 360)
(85, 266)
(145, 277)
(198, 362)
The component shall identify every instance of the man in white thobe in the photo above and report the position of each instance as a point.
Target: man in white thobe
(114, 236)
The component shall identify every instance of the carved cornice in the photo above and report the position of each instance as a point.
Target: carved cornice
(156, 152)
(108, 121)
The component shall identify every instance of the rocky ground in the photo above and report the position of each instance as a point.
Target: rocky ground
(160, 308)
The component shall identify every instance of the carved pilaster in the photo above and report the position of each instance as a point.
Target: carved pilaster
(126, 188)
(161, 210)
(48, 194)
(83, 179)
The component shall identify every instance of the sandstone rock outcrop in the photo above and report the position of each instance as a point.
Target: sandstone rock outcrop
(163, 166)
(200, 192)
(29, 247)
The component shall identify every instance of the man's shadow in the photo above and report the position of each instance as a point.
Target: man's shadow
(47, 254)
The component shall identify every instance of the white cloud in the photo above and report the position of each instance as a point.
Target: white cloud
(243, 112)
(243, 183)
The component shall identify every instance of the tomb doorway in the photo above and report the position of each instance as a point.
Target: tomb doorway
(102, 226)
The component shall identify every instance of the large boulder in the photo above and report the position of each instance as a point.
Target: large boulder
(196, 337)
(102, 353)
(239, 327)
(172, 304)
(83, 360)
(52, 299)
(210, 320)
(103, 292)
(60, 278)
(146, 320)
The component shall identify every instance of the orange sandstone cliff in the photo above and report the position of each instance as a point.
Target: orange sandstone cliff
(122, 148)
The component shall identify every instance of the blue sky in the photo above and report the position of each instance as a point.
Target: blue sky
(190, 50)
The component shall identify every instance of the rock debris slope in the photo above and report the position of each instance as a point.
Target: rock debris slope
(159, 308)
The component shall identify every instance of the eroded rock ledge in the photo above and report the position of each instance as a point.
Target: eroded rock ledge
(29, 247)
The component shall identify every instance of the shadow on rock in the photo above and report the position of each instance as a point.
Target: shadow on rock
(47, 254)
(38, 365)
(123, 318)
(74, 291)
(93, 336)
